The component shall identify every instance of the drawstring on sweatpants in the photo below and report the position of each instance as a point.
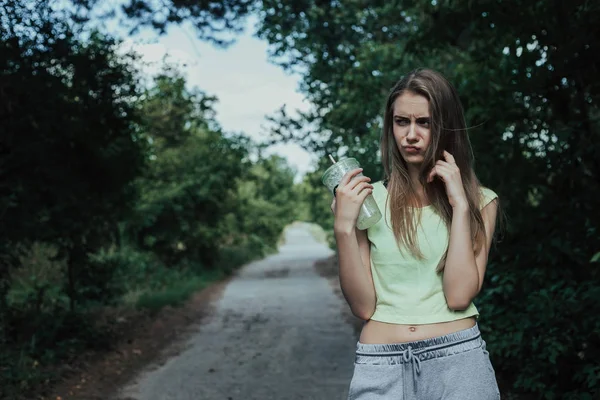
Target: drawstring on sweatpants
(409, 356)
(399, 355)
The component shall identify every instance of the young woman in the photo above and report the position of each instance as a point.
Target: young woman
(413, 275)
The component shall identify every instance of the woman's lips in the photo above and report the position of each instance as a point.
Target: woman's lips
(411, 149)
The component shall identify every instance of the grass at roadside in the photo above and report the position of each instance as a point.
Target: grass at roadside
(178, 292)
(136, 290)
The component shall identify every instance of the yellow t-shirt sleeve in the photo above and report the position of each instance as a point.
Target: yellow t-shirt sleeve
(487, 195)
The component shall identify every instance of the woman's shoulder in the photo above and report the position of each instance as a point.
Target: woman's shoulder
(379, 189)
(379, 185)
(487, 195)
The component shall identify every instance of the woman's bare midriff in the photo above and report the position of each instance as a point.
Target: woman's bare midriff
(375, 332)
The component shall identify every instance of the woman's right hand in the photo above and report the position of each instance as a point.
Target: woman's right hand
(350, 195)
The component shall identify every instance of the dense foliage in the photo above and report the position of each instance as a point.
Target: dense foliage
(112, 195)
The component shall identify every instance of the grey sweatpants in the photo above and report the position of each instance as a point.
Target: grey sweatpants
(450, 367)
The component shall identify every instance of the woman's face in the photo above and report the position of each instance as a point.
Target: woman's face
(411, 122)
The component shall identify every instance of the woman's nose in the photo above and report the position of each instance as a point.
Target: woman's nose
(412, 132)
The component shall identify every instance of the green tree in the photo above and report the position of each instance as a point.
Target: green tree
(215, 20)
(202, 189)
(186, 189)
(65, 174)
(68, 155)
(108, 191)
(267, 202)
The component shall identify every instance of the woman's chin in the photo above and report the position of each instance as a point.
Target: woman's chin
(413, 159)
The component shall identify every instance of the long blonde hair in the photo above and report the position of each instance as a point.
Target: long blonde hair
(448, 132)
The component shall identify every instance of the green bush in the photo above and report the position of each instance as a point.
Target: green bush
(38, 280)
(174, 295)
(233, 256)
(130, 269)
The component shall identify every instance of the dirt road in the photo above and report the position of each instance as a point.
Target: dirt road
(277, 333)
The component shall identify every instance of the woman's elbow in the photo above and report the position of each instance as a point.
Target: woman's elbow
(460, 298)
(364, 313)
(458, 303)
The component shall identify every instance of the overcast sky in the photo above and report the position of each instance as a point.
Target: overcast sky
(247, 85)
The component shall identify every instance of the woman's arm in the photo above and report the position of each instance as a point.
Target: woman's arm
(463, 272)
(356, 279)
(353, 246)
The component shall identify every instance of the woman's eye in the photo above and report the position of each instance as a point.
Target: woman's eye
(424, 122)
(402, 121)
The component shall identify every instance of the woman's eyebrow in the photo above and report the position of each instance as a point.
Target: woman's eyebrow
(406, 116)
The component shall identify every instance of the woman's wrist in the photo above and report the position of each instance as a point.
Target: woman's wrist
(343, 228)
(462, 207)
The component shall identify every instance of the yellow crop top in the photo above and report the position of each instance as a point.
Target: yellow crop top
(409, 290)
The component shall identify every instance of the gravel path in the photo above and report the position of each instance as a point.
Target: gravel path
(278, 332)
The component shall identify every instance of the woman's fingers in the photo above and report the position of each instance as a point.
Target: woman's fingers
(443, 171)
(435, 171)
(346, 186)
(448, 165)
(359, 188)
(363, 195)
(449, 157)
(356, 181)
(349, 175)
(350, 195)
(431, 175)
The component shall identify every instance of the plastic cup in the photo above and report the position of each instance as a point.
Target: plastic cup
(369, 213)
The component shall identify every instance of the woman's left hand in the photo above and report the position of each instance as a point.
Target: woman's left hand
(449, 173)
